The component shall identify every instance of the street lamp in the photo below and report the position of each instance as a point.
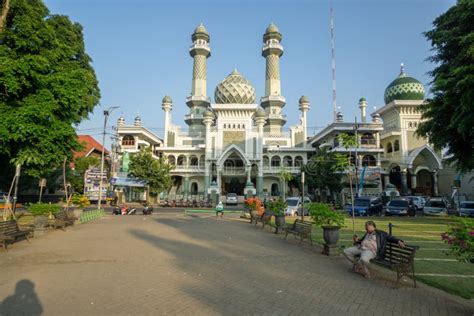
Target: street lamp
(302, 196)
(106, 116)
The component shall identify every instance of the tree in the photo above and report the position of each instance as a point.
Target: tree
(156, 172)
(449, 114)
(286, 176)
(324, 171)
(76, 176)
(47, 85)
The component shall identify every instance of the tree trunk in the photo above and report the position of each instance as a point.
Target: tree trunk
(3, 16)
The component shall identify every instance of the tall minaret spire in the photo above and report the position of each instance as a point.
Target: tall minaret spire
(333, 59)
(198, 101)
(273, 101)
(199, 51)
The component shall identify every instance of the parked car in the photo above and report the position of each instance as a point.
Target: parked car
(436, 206)
(400, 207)
(294, 206)
(231, 199)
(418, 201)
(365, 206)
(466, 208)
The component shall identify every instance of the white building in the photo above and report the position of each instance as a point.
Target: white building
(233, 144)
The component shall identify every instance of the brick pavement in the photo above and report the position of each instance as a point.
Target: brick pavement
(171, 264)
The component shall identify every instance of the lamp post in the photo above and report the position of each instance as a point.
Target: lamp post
(302, 196)
(106, 116)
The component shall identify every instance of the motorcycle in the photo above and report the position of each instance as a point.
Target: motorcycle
(148, 210)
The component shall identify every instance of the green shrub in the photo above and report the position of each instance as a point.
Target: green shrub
(80, 200)
(43, 209)
(460, 239)
(278, 207)
(323, 215)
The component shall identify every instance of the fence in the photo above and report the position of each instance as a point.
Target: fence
(91, 215)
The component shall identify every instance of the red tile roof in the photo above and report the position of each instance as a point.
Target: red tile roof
(90, 145)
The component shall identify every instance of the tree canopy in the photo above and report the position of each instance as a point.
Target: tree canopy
(156, 172)
(324, 170)
(47, 85)
(449, 114)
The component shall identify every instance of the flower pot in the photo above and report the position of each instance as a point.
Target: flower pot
(279, 222)
(331, 235)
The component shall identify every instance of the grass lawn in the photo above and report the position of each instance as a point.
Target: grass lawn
(432, 258)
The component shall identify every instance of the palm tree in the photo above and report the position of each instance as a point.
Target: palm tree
(286, 176)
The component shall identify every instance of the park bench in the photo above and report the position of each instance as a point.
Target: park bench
(62, 219)
(300, 229)
(399, 259)
(9, 232)
(265, 219)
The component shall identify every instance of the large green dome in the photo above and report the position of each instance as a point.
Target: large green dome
(234, 89)
(404, 88)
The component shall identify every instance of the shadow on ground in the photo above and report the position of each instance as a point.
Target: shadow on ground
(23, 302)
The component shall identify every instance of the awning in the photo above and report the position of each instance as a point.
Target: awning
(127, 182)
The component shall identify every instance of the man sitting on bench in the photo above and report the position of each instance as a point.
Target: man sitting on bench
(370, 246)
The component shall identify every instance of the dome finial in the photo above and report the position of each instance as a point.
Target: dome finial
(402, 69)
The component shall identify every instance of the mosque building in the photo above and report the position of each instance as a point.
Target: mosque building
(236, 145)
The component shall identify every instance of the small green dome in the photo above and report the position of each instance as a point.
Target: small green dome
(260, 113)
(201, 29)
(167, 99)
(404, 88)
(304, 99)
(362, 100)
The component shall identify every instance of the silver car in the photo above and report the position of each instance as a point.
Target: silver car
(294, 206)
(418, 201)
(231, 199)
(466, 208)
(436, 206)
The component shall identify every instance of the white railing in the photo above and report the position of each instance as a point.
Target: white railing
(270, 169)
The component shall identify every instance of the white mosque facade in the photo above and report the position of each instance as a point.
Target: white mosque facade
(236, 145)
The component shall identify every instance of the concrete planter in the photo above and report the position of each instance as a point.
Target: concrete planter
(279, 223)
(331, 237)
(41, 223)
(77, 213)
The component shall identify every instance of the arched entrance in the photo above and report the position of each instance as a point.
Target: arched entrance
(424, 182)
(234, 186)
(194, 188)
(396, 178)
(275, 189)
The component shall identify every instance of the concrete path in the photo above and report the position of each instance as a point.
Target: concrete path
(171, 264)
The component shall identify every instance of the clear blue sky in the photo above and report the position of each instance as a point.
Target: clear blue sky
(140, 51)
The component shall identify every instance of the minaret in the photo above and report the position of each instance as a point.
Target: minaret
(363, 107)
(167, 106)
(207, 120)
(198, 101)
(272, 102)
(304, 107)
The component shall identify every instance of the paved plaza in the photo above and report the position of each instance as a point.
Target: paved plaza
(200, 265)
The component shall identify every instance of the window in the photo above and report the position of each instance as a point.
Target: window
(128, 140)
(396, 145)
(276, 161)
(369, 161)
(389, 148)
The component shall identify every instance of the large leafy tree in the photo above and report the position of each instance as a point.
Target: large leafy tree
(47, 85)
(449, 114)
(324, 170)
(156, 172)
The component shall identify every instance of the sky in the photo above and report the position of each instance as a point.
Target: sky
(140, 51)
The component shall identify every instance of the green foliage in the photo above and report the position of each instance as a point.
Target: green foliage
(47, 85)
(76, 176)
(323, 215)
(80, 200)
(324, 170)
(277, 207)
(156, 172)
(448, 116)
(460, 238)
(43, 209)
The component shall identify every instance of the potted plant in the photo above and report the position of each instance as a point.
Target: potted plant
(41, 213)
(254, 206)
(278, 208)
(80, 201)
(331, 221)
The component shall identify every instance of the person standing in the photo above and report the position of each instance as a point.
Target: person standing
(220, 209)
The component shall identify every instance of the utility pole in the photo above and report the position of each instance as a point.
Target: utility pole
(333, 68)
(356, 160)
(302, 196)
(106, 116)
